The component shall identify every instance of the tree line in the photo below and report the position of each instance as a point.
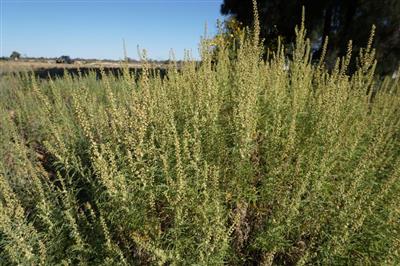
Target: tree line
(339, 20)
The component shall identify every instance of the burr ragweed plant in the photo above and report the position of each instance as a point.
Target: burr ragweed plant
(234, 160)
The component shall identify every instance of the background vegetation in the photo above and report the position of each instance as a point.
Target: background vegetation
(339, 20)
(234, 161)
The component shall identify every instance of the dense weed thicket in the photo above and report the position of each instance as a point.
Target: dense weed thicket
(234, 161)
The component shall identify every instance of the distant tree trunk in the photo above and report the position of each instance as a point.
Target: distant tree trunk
(327, 22)
(328, 13)
(351, 7)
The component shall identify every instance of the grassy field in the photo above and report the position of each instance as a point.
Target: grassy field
(237, 161)
(32, 65)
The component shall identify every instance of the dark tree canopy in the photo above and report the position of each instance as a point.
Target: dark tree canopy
(15, 55)
(340, 20)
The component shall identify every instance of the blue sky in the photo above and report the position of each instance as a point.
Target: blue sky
(95, 28)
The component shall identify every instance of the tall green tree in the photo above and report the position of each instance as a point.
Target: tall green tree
(15, 55)
(340, 20)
